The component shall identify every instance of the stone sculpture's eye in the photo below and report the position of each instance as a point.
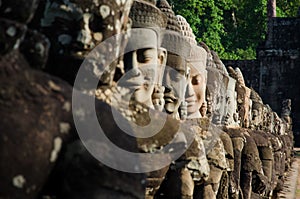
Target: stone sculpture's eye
(146, 55)
(196, 80)
(177, 76)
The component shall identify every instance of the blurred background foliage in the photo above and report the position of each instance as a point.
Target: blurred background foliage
(232, 28)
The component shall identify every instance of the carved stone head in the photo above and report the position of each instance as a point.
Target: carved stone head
(279, 128)
(257, 110)
(172, 25)
(268, 119)
(196, 62)
(175, 74)
(198, 79)
(216, 90)
(217, 83)
(75, 27)
(175, 82)
(144, 57)
(286, 113)
(231, 111)
(243, 97)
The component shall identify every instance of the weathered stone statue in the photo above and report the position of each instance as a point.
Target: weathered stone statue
(222, 110)
(257, 111)
(145, 62)
(267, 130)
(35, 107)
(263, 140)
(211, 136)
(230, 122)
(287, 126)
(43, 157)
(195, 157)
(75, 27)
(217, 83)
(231, 118)
(198, 79)
(286, 112)
(243, 97)
(175, 77)
(251, 165)
(79, 174)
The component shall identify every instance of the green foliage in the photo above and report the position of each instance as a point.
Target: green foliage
(287, 8)
(205, 18)
(232, 28)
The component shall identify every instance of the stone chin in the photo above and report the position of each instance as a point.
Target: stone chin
(170, 107)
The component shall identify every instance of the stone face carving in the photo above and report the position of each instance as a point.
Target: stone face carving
(176, 79)
(216, 85)
(198, 79)
(35, 48)
(243, 97)
(94, 177)
(286, 113)
(257, 110)
(250, 160)
(75, 27)
(231, 112)
(145, 68)
(176, 73)
(214, 139)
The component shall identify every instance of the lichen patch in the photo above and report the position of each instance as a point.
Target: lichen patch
(19, 181)
(67, 106)
(64, 127)
(54, 86)
(104, 11)
(56, 149)
(11, 31)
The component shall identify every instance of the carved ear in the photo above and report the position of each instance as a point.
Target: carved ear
(161, 61)
(162, 56)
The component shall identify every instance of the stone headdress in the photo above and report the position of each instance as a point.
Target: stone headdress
(254, 96)
(237, 75)
(173, 40)
(172, 23)
(197, 54)
(186, 30)
(257, 103)
(145, 15)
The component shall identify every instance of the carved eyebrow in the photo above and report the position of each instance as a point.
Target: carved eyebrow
(143, 50)
(144, 53)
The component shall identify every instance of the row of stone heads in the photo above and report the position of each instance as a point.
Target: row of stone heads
(154, 50)
(168, 70)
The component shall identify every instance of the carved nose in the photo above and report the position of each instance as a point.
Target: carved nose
(134, 61)
(135, 72)
(131, 62)
(189, 91)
